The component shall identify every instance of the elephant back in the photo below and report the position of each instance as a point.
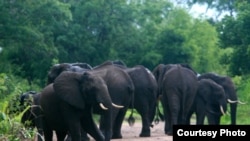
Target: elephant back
(67, 87)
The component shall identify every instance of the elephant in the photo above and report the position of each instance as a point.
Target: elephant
(210, 101)
(145, 94)
(229, 89)
(26, 100)
(177, 86)
(67, 105)
(27, 104)
(120, 87)
(59, 68)
(121, 90)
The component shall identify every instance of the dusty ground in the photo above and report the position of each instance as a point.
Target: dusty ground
(132, 133)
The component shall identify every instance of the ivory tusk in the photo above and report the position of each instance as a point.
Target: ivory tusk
(117, 106)
(230, 101)
(221, 109)
(103, 107)
(241, 102)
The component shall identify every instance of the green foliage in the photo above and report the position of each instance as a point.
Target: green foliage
(10, 111)
(235, 34)
(11, 85)
(28, 36)
(12, 130)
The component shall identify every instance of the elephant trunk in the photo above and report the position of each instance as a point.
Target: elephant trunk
(104, 100)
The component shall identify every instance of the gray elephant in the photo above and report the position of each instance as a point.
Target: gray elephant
(121, 90)
(26, 100)
(210, 102)
(145, 95)
(28, 104)
(59, 68)
(120, 87)
(229, 89)
(178, 86)
(67, 105)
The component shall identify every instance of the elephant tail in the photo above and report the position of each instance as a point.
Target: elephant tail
(131, 119)
(159, 115)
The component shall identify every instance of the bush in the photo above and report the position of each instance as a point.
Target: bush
(11, 128)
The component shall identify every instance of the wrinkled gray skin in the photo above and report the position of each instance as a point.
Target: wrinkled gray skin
(67, 105)
(178, 86)
(229, 89)
(145, 95)
(121, 90)
(210, 96)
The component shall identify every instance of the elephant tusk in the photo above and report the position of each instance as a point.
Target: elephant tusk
(222, 110)
(103, 107)
(231, 101)
(117, 106)
(241, 102)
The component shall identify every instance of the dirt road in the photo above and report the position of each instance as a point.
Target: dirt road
(132, 133)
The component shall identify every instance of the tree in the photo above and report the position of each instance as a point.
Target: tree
(28, 36)
(234, 33)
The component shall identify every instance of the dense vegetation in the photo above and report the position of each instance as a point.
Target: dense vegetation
(34, 35)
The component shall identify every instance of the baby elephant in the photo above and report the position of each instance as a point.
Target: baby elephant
(210, 101)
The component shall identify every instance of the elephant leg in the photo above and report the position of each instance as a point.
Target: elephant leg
(60, 135)
(144, 112)
(175, 112)
(142, 107)
(166, 111)
(200, 114)
(48, 133)
(84, 136)
(39, 127)
(89, 125)
(106, 124)
(72, 121)
(74, 131)
(145, 132)
(40, 134)
(117, 125)
(213, 119)
(200, 117)
(189, 115)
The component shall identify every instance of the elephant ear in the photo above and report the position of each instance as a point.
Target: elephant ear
(67, 87)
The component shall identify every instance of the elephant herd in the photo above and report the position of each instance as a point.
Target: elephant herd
(76, 91)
